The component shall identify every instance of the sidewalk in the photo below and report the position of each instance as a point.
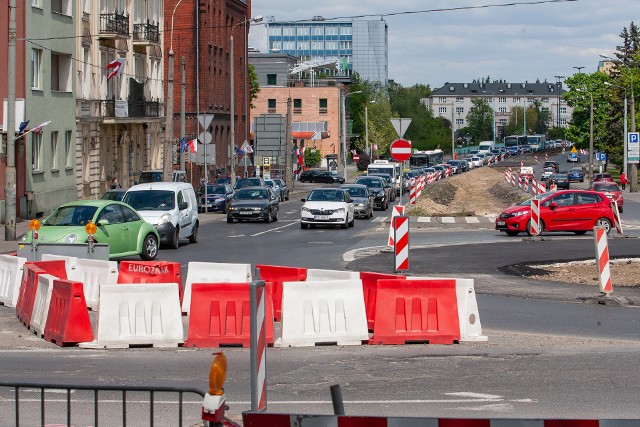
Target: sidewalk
(22, 227)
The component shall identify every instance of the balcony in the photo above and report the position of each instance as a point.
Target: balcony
(146, 34)
(114, 25)
(130, 109)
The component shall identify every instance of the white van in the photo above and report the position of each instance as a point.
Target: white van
(486, 147)
(171, 207)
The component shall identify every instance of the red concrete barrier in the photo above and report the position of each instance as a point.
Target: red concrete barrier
(29, 285)
(151, 272)
(68, 320)
(369, 288)
(276, 275)
(416, 311)
(220, 315)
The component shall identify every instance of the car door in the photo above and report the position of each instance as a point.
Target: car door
(112, 229)
(587, 210)
(185, 214)
(133, 223)
(562, 216)
(350, 207)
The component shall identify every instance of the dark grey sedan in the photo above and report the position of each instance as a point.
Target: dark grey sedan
(253, 203)
(362, 199)
(561, 180)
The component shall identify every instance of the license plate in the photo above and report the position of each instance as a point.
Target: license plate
(321, 217)
(246, 213)
(501, 223)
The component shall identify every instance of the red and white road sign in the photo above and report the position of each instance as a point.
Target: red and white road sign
(397, 210)
(401, 243)
(400, 150)
(535, 216)
(356, 157)
(602, 260)
(616, 216)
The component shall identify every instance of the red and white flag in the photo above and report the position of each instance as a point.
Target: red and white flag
(116, 67)
(38, 129)
(193, 145)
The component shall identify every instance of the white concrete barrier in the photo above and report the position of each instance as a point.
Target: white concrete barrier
(468, 313)
(213, 272)
(314, 274)
(69, 261)
(93, 274)
(138, 314)
(323, 312)
(41, 303)
(11, 268)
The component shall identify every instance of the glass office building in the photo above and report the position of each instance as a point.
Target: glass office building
(355, 46)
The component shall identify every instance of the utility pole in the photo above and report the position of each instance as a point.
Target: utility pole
(288, 164)
(232, 113)
(633, 167)
(591, 138)
(10, 171)
(182, 111)
(168, 123)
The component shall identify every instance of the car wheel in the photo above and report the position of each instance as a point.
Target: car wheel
(371, 212)
(229, 220)
(275, 218)
(620, 209)
(149, 248)
(287, 198)
(580, 233)
(194, 234)
(353, 221)
(529, 229)
(604, 222)
(304, 226)
(512, 233)
(345, 225)
(175, 242)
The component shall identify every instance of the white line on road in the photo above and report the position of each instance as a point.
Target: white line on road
(448, 220)
(238, 235)
(274, 229)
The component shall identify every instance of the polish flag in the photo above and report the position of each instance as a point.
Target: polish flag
(193, 145)
(116, 67)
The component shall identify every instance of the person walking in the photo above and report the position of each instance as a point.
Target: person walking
(623, 180)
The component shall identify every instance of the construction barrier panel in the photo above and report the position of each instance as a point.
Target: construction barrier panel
(41, 304)
(11, 270)
(94, 274)
(315, 275)
(213, 272)
(416, 311)
(29, 284)
(221, 315)
(275, 276)
(69, 261)
(68, 320)
(369, 288)
(150, 272)
(468, 314)
(138, 314)
(323, 312)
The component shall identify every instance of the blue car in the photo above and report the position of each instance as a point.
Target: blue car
(576, 174)
(513, 151)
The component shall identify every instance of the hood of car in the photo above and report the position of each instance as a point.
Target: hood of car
(259, 203)
(514, 209)
(364, 200)
(53, 234)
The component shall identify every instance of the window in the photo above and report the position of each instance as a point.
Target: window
(61, 6)
(331, 45)
(587, 199)
(275, 31)
(322, 104)
(112, 214)
(68, 150)
(516, 100)
(459, 99)
(297, 106)
(303, 45)
(545, 100)
(36, 69)
(36, 3)
(502, 109)
(442, 110)
(502, 100)
(459, 122)
(60, 72)
(317, 45)
(503, 122)
(345, 30)
(303, 31)
(276, 45)
(565, 199)
(442, 99)
(54, 150)
(288, 31)
(271, 105)
(563, 110)
(563, 122)
(317, 31)
(459, 110)
(272, 79)
(331, 31)
(36, 152)
(86, 73)
(345, 45)
(86, 7)
(140, 67)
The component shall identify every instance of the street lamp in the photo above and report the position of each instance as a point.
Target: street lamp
(232, 106)
(366, 127)
(344, 131)
(624, 133)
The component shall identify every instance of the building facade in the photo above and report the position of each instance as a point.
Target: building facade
(120, 119)
(353, 46)
(454, 100)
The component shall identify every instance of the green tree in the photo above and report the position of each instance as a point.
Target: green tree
(480, 119)
(254, 85)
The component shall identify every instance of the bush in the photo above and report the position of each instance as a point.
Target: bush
(363, 162)
(312, 159)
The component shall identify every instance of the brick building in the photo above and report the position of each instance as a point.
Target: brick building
(201, 35)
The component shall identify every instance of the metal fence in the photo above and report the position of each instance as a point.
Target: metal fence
(146, 32)
(96, 389)
(114, 23)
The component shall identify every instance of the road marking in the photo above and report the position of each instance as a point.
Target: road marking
(424, 219)
(274, 229)
(472, 220)
(474, 395)
(379, 219)
(448, 220)
(238, 235)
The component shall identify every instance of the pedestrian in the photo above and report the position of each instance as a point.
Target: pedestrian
(623, 180)
(114, 184)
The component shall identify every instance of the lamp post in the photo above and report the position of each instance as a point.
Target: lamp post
(366, 127)
(624, 132)
(232, 103)
(591, 138)
(524, 111)
(344, 131)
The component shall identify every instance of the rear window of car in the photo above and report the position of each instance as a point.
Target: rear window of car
(606, 187)
(357, 191)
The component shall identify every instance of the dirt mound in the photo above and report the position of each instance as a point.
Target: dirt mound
(479, 192)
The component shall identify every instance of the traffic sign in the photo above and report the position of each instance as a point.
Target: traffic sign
(400, 150)
(573, 150)
(400, 125)
(633, 147)
(356, 158)
(205, 120)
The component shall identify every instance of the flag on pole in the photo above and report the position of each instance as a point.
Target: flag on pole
(23, 126)
(116, 67)
(183, 144)
(38, 129)
(246, 148)
(193, 145)
(238, 151)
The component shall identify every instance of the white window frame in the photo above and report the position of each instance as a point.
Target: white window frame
(502, 109)
(65, 7)
(442, 110)
(442, 99)
(69, 150)
(502, 100)
(302, 31)
(61, 72)
(459, 110)
(54, 150)
(36, 3)
(36, 69)
(563, 110)
(516, 100)
(36, 152)
(459, 99)
(459, 122)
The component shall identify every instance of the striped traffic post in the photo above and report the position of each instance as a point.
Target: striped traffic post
(542, 188)
(602, 260)
(398, 210)
(258, 356)
(401, 243)
(616, 216)
(535, 216)
(513, 179)
(526, 184)
(553, 187)
(507, 176)
(412, 192)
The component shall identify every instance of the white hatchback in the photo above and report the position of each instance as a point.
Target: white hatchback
(328, 206)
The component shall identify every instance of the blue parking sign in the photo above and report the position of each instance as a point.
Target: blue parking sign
(633, 147)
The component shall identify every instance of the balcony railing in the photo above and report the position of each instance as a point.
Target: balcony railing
(126, 109)
(146, 33)
(114, 24)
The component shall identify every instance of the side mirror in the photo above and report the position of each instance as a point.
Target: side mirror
(553, 205)
(183, 206)
(303, 200)
(103, 222)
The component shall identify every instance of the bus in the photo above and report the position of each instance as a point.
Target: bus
(537, 142)
(515, 141)
(426, 158)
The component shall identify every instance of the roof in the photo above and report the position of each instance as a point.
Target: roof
(171, 186)
(505, 88)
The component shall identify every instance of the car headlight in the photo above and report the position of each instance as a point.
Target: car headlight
(24, 238)
(380, 193)
(164, 219)
(520, 213)
(306, 209)
(360, 205)
(71, 238)
(339, 210)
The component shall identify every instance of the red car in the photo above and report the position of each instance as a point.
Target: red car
(565, 210)
(611, 190)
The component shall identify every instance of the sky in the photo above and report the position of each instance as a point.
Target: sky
(515, 43)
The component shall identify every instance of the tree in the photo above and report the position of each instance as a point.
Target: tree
(480, 119)
(254, 85)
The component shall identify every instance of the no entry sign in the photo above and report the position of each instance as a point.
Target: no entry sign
(400, 150)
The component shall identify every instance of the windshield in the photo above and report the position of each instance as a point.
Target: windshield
(150, 200)
(252, 194)
(146, 177)
(381, 171)
(249, 182)
(357, 191)
(213, 189)
(606, 187)
(71, 215)
(370, 183)
(325, 195)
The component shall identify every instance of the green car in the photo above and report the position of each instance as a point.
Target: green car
(117, 224)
